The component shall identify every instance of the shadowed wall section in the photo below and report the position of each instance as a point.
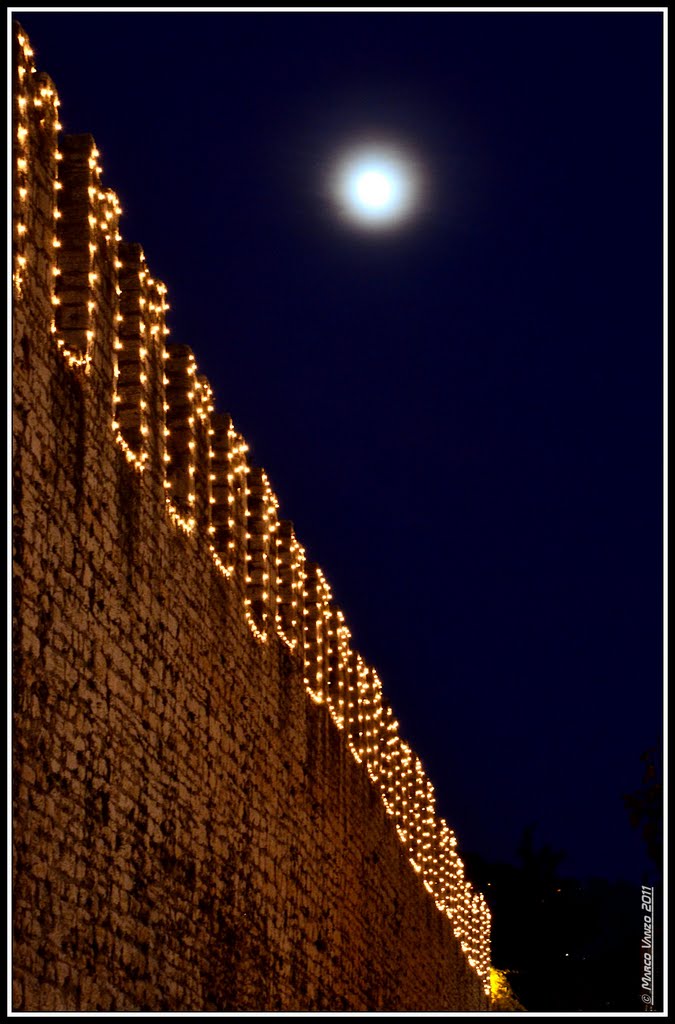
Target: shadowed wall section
(213, 806)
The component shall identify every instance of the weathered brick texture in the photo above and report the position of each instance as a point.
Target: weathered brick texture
(212, 807)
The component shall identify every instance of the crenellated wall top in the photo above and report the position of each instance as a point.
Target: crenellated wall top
(92, 295)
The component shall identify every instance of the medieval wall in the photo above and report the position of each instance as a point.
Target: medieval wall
(213, 807)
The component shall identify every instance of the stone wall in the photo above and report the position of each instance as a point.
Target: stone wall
(213, 808)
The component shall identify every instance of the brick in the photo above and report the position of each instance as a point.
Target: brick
(192, 830)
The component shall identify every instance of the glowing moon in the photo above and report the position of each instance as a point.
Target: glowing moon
(374, 189)
(377, 186)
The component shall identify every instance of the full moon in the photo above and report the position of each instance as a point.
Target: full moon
(377, 186)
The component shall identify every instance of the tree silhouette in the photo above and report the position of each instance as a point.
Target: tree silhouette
(645, 806)
(541, 864)
(564, 944)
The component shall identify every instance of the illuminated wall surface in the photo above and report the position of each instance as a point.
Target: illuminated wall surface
(214, 808)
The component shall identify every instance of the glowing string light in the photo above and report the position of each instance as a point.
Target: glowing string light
(290, 604)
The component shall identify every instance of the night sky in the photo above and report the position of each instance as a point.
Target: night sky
(462, 417)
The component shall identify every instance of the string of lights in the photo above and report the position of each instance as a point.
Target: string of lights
(163, 419)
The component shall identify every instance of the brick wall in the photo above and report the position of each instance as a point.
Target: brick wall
(213, 808)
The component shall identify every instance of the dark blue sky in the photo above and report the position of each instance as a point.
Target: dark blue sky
(463, 419)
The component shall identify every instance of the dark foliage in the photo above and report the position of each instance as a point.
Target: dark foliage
(568, 945)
